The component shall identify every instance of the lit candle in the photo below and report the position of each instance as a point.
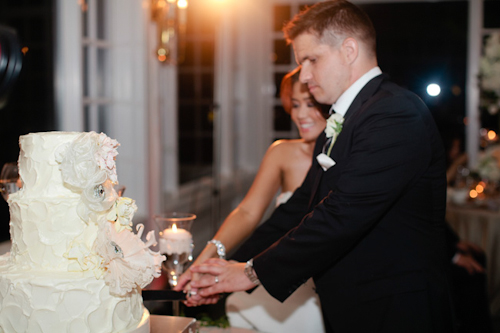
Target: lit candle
(175, 240)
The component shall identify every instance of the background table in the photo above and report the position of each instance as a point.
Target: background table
(481, 226)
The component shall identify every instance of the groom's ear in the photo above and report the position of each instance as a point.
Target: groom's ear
(350, 50)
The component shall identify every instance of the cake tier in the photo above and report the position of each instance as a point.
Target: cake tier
(38, 168)
(39, 301)
(44, 230)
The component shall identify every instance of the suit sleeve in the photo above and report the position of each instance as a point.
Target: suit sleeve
(389, 149)
(284, 218)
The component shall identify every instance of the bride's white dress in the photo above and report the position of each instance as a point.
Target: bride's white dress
(301, 312)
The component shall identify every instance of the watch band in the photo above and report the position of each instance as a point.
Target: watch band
(221, 249)
(250, 273)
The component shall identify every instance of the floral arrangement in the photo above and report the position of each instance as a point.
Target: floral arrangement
(488, 165)
(117, 254)
(490, 74)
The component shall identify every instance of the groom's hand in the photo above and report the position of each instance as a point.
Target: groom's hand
(220, 276)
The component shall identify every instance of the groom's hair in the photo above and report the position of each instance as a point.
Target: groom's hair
(332, 22)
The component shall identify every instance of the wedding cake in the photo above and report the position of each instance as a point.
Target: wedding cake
(76, 263)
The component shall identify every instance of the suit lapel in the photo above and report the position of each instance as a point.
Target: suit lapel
(368, 91)
(316, 167)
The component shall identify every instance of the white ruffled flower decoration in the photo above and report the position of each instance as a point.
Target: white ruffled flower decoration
(96, 200)
(81, 161)
(106, 155)
(88, 167)
(122, 213)
(128, 261)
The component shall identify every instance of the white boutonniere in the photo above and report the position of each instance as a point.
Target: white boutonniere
(332, 130)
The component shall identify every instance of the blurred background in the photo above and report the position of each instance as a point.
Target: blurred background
(190, 87)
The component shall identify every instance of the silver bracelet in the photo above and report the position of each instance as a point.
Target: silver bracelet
(250, 273)
(221, 249)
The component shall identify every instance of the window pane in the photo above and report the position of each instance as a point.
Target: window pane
(186, 118)
(207, 86)
(282, 121)
(207, 119)
(282, 53)
(186, 150)
(103, 119)
(85, 18)
(186, 86)
(101, 75)
(207, 53)
(86, 83)
(188, 55)
(101, 14)
(86, 118)
(278, 77)
(491, 11)
(207, 150)
(281, 16)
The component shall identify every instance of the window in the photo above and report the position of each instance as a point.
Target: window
(283, 62)
(95, 54)
(196, 97)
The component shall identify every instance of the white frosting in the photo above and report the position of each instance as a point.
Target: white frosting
(41, 301)
(38, 168)
(55, 279)
(43, 229)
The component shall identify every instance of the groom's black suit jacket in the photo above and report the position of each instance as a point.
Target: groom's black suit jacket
(370, 230)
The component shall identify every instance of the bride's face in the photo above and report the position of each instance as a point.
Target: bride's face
(305, 114)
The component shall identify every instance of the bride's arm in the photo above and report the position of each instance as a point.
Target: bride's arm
(243, 220)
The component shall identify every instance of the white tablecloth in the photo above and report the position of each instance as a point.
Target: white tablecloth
(481, 226)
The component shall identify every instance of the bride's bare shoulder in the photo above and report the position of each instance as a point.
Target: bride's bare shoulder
(285, 147)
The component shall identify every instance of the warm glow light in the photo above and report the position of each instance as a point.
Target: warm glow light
(491, 135)
(473, 194)
(25, 50)
(174, 227)
(479, 188)
(433, 89)
(182, 3)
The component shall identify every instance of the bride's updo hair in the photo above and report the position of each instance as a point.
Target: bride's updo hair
(286, 90)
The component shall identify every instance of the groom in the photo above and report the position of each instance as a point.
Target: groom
(368, 224)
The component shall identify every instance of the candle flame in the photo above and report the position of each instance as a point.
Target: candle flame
(174, 228)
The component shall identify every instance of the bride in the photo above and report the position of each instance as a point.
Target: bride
(283, 169)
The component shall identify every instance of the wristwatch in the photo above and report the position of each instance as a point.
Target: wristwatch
(250, 272)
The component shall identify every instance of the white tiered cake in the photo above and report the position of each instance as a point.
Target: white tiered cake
(75, 264)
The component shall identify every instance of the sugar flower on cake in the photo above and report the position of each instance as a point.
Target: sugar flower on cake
(96, 200)
(88, 167)
(128, 262)
(122, 213)
(106, 155)
(88, 160)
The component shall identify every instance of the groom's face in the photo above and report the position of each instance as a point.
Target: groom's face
(324, 68)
